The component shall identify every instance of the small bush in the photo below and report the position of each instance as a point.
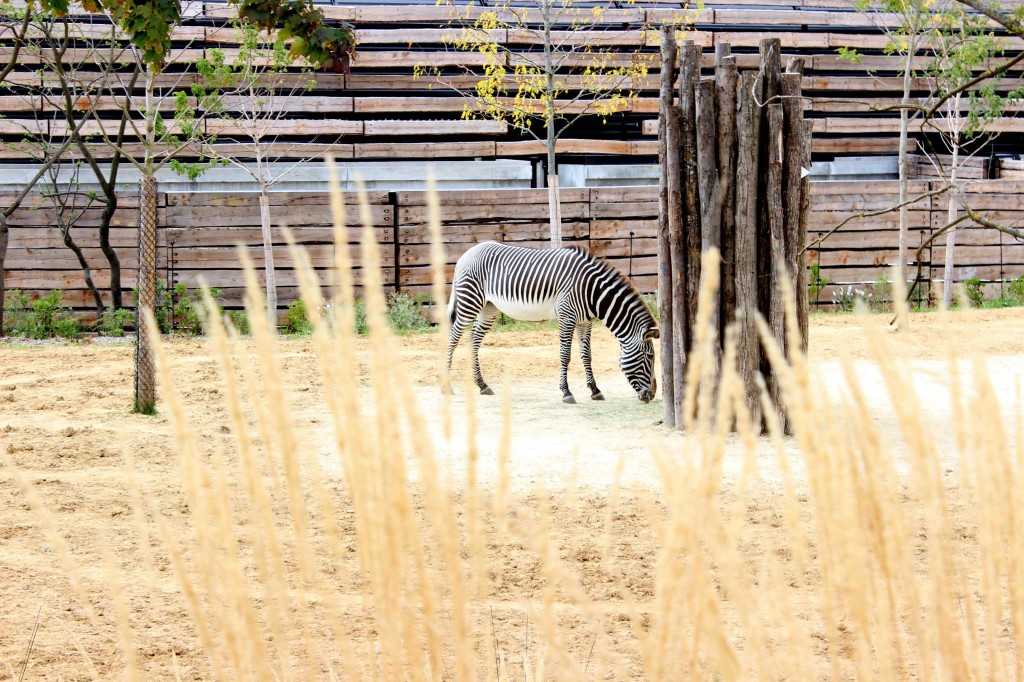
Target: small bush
(17, 313)
(1015, 291)
(362, 326)
(240, 321)
(296, 321)
(817, 282)
(844, 299)
(405, 314)
(974, 292)
(43, 318)
(115, 321)
(879, 297)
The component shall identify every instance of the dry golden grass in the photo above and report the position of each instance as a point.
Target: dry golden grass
(399, 574)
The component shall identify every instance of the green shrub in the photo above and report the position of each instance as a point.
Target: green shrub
(115, 321)
(362, 326)
(297, 320)
(974, 292)
(43, 318)
(405, 314)
(817, 282)
(880, 296)
(1015, 291)
(240, 321)
(180, 309)
(17, 314)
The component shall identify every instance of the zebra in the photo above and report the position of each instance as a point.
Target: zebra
(542, 284)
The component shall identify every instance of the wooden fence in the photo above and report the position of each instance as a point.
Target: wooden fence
(199, 233)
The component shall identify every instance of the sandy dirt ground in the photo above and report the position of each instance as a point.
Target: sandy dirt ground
(65, 428)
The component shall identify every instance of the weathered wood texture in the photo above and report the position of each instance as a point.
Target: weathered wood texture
(384, 110)
(665, 142)
(617, 223)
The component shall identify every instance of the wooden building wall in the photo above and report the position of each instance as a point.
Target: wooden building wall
(199, 234)
(381, 110)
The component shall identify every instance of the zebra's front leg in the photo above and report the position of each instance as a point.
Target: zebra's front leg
(565, 330)
(483, 324)
(583, 329)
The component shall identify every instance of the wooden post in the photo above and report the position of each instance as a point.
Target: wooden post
(689, 74)
(725, 85)
(748, 127)
(677, 248)
(792, 184)
(802, 305)
(777, 255)
(707, 164)
(667, 113)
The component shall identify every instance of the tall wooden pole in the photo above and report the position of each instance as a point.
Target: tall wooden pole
(725, 85)
(792, 183)
(710, 197)
(665, 141)
(777, 254)
(748, 127)
(689, 75)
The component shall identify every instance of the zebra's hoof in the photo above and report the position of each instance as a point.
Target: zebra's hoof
(569, 400)
(486, 390)
(597, 396)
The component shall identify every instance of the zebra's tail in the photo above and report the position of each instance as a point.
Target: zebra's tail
(451, 306)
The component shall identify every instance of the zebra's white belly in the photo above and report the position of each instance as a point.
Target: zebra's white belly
(528, 312)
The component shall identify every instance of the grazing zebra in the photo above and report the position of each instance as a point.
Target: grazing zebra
(567, 284)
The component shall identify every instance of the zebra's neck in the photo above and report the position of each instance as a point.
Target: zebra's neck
(618, 305)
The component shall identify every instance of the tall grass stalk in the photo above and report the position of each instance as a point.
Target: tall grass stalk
(881, 563)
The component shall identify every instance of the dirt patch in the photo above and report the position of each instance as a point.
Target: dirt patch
(65, 428)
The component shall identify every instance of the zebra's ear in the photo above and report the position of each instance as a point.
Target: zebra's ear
(652, 333)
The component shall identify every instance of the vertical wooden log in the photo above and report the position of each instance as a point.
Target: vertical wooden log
(748, 128)
(707, 164)
(677, 248)
(802, 306)
(793, 159)
(795, 65)
(710, 205)
(667, 113)
(725, 84)
(777, 240)
(689, 74)
(769, 72)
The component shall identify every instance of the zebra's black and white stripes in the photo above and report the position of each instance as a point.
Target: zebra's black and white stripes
(564, 284)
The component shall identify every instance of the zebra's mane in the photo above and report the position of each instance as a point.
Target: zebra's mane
(607, 267)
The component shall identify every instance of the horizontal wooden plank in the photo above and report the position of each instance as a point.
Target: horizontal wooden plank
(219, 199)
(236, 216)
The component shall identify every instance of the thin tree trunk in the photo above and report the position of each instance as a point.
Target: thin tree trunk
(903, 175)
(947, 268)
(268, 255)
(4, 238)
(554, 205)
(748, 127)
(145, 366)
(668, 61)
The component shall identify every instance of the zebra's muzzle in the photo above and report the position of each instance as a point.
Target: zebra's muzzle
(645, 395)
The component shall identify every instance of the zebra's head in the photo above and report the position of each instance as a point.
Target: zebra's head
(637, 363)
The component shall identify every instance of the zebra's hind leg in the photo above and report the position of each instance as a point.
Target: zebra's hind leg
(458, 328)
(484, 322)
(565, 330)
(583, 330)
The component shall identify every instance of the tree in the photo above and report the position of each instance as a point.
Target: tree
(149, 27)
(250, 96)
(961, 42)
(575, 63)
